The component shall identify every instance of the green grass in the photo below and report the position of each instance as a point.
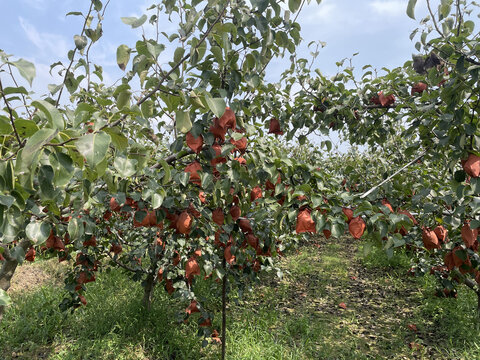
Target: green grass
(297, 317)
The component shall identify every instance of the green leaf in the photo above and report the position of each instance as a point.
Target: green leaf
(38, 232)
(93, 147)
(26, 69)
(4, 298)
(294, 5)
(338, 230)
(123, 99)
(125, 167)
(51, 112)
(411, 8)
(35, 143)
(155, 49)
(118, 139)
(45, 180)
(7, 200)
(123, 56)
(178, 54)
(157, 199)
(5, 127)
(133, 21)
(74, 13)
(75, 228)
(168, 173)
(216, 105)
(80, 41)
(183, 122)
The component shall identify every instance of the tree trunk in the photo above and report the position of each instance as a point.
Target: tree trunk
(478, 308)
(224, 309)
(148, 291)
(8, 269)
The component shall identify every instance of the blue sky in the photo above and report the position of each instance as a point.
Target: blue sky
(39, 31)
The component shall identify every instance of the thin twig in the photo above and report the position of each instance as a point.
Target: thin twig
(459, 18)
(73, 56)
(127, 267)
(433, 19)
(10, 113)
(23, 95)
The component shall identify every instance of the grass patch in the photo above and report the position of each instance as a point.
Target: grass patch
(297, 317)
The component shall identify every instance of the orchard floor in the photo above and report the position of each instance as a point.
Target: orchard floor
(298, 317)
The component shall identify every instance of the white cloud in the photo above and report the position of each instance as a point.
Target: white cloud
(316, 14)
(389, 7)
(50, 45)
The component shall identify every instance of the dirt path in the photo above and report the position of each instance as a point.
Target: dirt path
(369, 307)
(31, 276)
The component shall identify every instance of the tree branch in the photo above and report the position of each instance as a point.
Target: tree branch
(73, 55)
(393, 175)
(433, 19)
(10, 113)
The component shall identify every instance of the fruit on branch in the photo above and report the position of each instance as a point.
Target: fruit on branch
(441, 233)
(116, 248)
(405, 212)
(222, 124)
(184, 223)
(228, 120)
(191, 268)
(469, 236)
(240, 145)
(82, 299)
(54, 242)
(453, 259)
(270, 186)
(305, 222)
(228, 254)
(84, 277)
(348, 213)
(274, 127)
(241, 160)
(383, 100)
(217, 131)
(256, 193)
(472, 165)
(90, 242)
(202, 197)
(114, 205)
(30, 255)
(192, 308)
(194, 143)
(419, 88)
(193, 169)
(217, 159)
(149, 220)
(169, 286)
(160, 274)
(235, 212)
(252, 240)
(430, 240)
(218, 216)
(357, 227)
(386, 203)
(205, 323)
(244, 225)
(216, 337)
